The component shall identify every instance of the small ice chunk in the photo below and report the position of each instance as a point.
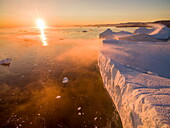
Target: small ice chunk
(95, 118)
(20, 125)
(58, 97)
(49, 70)
(6, 61)
(79, 108)
(106, 34)
(79, 113)
(39, 114)
(65, 80)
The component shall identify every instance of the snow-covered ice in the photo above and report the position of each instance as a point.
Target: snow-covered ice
(161, 32)
(155, 33)
(136, 74)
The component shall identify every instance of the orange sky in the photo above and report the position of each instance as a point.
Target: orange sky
(81, 12)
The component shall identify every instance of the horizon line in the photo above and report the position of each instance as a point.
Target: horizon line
(91, 25)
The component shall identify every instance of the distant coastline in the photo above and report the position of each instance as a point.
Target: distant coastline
(118, 25)
(128, 24)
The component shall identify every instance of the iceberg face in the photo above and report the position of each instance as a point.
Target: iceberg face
(136, 76)
(106, 34)
(143, 30)
(142, 100)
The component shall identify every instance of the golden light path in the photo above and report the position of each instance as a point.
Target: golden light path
(41, 26)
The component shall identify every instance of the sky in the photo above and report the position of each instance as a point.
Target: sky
(81, 12)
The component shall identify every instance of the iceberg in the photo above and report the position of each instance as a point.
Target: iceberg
(161, 32)
(65, 80)
(110, 34)
(139, 37)
(123, 33)
(136, 76)
(156, 33)
(142, 100)
(106, 34)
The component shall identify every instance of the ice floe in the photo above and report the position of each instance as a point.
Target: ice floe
(6, 61)
(58, 97)
(65, 80)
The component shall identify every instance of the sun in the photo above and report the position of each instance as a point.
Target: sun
(40, 23)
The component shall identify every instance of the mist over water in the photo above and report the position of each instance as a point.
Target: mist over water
(31, 90)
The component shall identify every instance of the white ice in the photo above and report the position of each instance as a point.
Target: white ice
(65, 80)
(136, 74)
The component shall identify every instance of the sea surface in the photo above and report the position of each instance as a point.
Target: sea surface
(32, 92)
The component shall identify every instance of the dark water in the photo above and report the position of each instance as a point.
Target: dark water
(32, 94)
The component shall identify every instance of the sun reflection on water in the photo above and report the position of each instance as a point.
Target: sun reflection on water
(41, 26)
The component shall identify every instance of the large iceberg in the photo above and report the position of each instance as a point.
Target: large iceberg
(161, 32)
(140, 96)
(157, 32)
(136, 76)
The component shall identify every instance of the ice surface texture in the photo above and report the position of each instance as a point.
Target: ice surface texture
(135, 72)
(141, 98)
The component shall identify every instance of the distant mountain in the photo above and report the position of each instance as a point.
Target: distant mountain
(128, 24)
(165, 22)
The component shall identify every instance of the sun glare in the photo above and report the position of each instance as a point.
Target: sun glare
(41, 26)
(40, 23)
